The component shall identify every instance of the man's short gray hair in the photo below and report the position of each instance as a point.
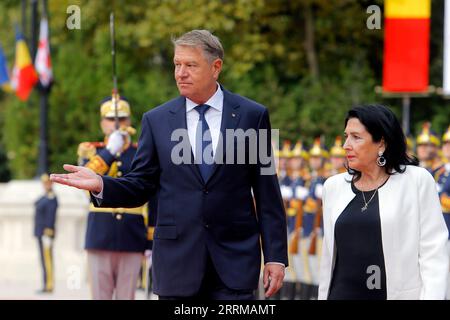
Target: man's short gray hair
(209, 43)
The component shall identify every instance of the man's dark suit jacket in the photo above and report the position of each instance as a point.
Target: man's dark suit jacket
(219, 217)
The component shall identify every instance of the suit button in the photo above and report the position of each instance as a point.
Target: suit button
(119, 173)
(206, 226)
(118, 216)
(119, 163)
(205, 191)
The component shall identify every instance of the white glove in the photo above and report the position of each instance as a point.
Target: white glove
(46, 241)
(116, 141)
(301, 192)
(318, 191)
(148, 257)
(286, 192)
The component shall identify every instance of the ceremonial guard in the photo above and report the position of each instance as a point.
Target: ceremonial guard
(116, 238)
(44, 231)
(337, 158)
(298, 164)
(443, 172)
(410, 145)
(312, 217)
(443, 185)
(284, 179)
(427, 149)
(297, 177)
(283, 158)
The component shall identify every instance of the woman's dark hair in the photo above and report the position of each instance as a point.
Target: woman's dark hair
(381, 122)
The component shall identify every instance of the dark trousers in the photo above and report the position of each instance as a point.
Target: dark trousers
(212, 288)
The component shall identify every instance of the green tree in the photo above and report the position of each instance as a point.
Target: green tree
(308, 61)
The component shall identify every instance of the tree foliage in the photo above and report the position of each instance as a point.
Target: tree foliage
(308, 61)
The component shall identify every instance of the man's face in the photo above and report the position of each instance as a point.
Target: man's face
(196, 77)
(47, 185)
(282, 163)
(108, 124)
(296, 163)
(337, 162)
(446, 150)
(315, 162)
(426, 152)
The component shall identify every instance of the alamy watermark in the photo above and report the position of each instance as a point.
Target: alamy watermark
(253, 147)
(374, 280)
(73, 280)
(373, 22)
(73, 21)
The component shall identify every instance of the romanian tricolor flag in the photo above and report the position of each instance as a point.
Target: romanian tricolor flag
(24, 75)
(406, 46)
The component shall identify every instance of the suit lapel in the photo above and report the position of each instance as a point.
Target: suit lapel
(177, 120)
(230, 120)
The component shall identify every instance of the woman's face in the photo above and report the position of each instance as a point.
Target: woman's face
(361, 150)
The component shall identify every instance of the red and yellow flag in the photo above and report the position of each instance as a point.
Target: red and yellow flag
(24, 75)
(406, 45)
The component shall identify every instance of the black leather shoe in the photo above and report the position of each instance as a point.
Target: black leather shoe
(44, 291)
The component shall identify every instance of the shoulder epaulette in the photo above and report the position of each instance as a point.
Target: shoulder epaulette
(86, 150)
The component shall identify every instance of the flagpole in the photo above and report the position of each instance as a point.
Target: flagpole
(406, 103)
(24, 19)
(43, 117)
(34, 19)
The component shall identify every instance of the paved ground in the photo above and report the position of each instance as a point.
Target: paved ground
(28, 291)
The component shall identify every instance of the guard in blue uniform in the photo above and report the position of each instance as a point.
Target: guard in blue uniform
(428, 149)
(312, 218)
(283, 156)
(298, 174)
(446, 146)
(443, 185)
(44, 231)
(337, 158)
(116, 238)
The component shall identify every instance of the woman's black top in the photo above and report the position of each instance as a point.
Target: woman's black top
(359, 272)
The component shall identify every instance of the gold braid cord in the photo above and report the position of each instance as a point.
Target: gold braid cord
(98, 165)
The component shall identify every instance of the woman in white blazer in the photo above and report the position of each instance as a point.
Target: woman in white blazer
(384, 234)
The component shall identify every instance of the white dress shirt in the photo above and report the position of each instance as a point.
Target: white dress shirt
(213, 117)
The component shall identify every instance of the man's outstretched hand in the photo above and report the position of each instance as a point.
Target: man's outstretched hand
(79, 177)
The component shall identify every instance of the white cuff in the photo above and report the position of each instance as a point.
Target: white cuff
(281, 264)
(98, 196)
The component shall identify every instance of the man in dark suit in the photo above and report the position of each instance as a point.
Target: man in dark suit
(213, 216)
